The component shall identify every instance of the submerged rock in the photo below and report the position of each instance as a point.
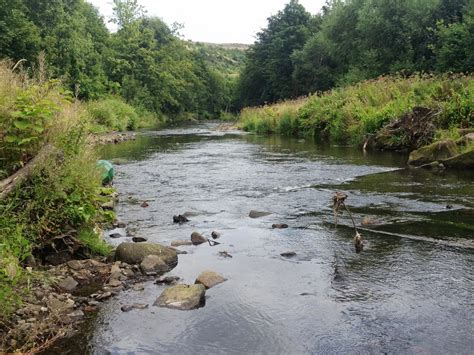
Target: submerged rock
(180, 219)
(197, 238)
(279, 226)
(139, 240)
(209, 279)
(258, 214)
(167, 280)
(434, 152)
(182, 297)
(134, 253)
(288, 254)
(215, 235)
(128, 308)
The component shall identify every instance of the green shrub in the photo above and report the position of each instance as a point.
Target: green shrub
(113, 113)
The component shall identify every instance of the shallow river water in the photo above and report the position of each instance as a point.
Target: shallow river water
(409, 291)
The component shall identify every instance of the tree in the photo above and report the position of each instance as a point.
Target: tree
(126, 12)
(267, 75)
(19, 37)
(455, 47)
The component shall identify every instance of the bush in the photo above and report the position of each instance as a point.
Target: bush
(113, 113)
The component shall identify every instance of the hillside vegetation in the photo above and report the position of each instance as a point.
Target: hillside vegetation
(227, 59)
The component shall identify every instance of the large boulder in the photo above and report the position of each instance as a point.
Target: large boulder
(438, 151)
(134, 253)
(210, 279)
(182, 297)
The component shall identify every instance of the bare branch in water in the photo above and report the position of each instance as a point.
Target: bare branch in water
(339, 199)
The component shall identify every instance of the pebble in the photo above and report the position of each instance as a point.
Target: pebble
(138, 287)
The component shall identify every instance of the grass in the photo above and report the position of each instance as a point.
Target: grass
(112, 113)
(62, 194)
(348, 114)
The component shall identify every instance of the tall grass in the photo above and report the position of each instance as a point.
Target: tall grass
(112, 113)
(348, 114)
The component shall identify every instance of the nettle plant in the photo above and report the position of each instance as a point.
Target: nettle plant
(26, 125)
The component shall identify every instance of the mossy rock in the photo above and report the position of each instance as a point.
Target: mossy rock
(434, 152)
(461, 161)
(134, 253)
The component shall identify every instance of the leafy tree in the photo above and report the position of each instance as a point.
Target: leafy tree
(267, 75)
(454, 50)
(19, 37)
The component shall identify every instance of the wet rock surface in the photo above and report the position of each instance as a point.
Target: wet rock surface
(128, 308)
(180, 219)
(210, 279)
(178, 243)
(434, 152)
(154, 265)
(134, 253)
(182, 297)
(258, 214)
(197, 238)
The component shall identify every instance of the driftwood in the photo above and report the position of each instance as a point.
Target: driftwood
(339, 199)
(8, 185)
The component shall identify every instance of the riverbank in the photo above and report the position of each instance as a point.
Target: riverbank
(433, 108)
(51, 195)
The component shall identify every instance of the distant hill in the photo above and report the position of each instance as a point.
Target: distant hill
(240, 46)
(226, 58)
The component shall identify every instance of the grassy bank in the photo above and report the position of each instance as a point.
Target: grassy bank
(348, 114)
(112, 113)
(62, 195)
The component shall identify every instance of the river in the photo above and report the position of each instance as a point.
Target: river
(409, 291)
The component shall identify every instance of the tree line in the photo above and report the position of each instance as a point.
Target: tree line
(354, 40)
(144, 61)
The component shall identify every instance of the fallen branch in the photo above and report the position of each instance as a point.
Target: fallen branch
(8, 185)
(339, 199)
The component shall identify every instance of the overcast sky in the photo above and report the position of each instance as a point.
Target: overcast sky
(218, 21)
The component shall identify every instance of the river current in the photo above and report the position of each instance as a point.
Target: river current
(410, 291)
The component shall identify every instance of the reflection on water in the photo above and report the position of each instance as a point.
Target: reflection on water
(405, 293)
